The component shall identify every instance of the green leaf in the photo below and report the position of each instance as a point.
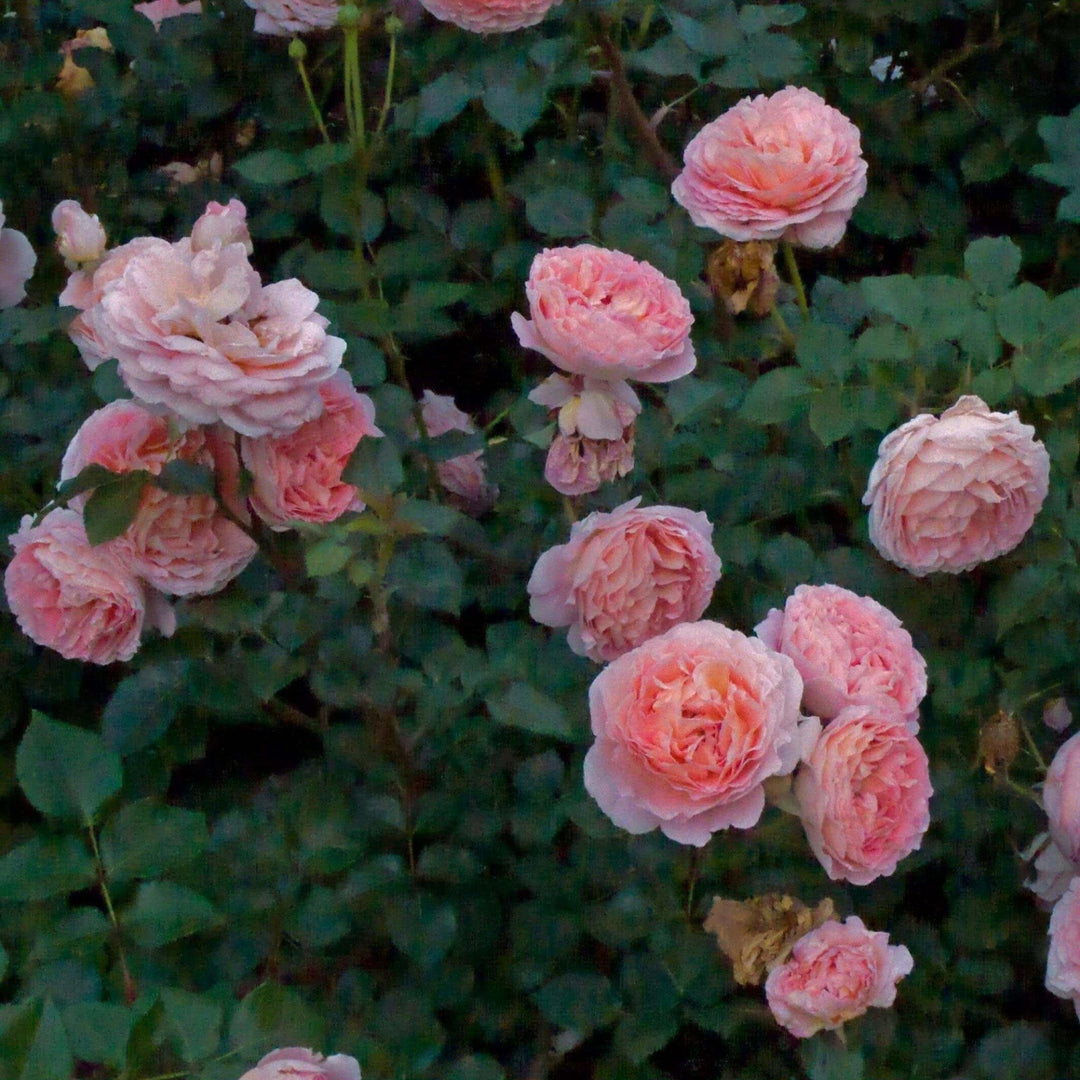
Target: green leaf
(186, 478)
(523, 706)
(992, 263)
(441, 100)
(1016, 1050)
(44, 867)
(777, 397)
(1020, 313)
(474, 1067)
(560, 212)
(690, 397)
(271, 1016)
(3, 962)
(66, 772)
(516, 103)
(144, 705)
(98, 1032)
(163, 912)
(326, 556)
(1062, 137)
(426, 575)
(112, 506)
(195, 1023)
(833, 415)
(49, 1055)
(144, 839)
(271, 167)
(87, 479)
(887, 343)
(827, 1059)
(824, 350)
(579, 1001)
(375, 467)
(423, 932)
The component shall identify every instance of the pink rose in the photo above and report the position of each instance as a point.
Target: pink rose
(864, 794)
(1063, 960)
(849, 651)
(157, 11)
(490, 16)
(1061, 798)
(183, 545)
(576, 465)
(950, 492)
(297, 477)
(603, 314)
(625, 577)
(688, 726)
(80, 236)
(1053, 871)
(835, 973)
(780, 167)
(17, 262)
(283, 18)
(464, 476)
(222, 225)
(296, 1063)
(79, 600)
(1057, 715)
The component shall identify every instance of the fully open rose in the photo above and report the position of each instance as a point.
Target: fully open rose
(490, 16)
(1063, 960)
(781, 167)
(950, 492)
(849, 651)
(688, 726)
(603, 314)
(835, 973)
(297, 1063)
(864, 794)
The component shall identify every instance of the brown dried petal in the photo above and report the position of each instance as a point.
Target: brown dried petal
(999, 743)
(744, 276)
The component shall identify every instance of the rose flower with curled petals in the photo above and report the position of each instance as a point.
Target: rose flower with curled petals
(298, 1063)
(625, 577)
(786, 166)
(603, 314)
(688, 726)
(490, 16)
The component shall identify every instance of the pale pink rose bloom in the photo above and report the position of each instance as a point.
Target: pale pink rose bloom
(1056, 714)
(625, 577)
(950, 492)
(196, 332)
(222, 225)
(1061, 797)
(849, 649)
(283, 18)
(297, 1063)
(183, 545)
(603, 314)
(80, 236)
(297, 477)
(1053, 871)
(79, 600)
(577, 465)
(864, 794)
(688, 726)
(781, 167)
(464, 476)
(17, 262)
(835, 973)
(157, 11)
(1063, 960)
(490, 16)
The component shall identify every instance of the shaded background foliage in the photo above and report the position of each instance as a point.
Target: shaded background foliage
(314, 833)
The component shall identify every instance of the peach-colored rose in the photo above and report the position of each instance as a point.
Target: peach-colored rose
(780, 167)
(297, 1063)
(283, 18)
(603, 314)
(222, 225)
(80, 236)
(157, 11)
(835, 973)
(864, 794)
(1061, 797)
(79, 600)
(17, 262)
(490, 16)
(950, 492)
(1063, 960)
(464, 476)
(183, 545)
(297, 477)
(576, 465)
(688, 726)
(849, 651)
(625, 577)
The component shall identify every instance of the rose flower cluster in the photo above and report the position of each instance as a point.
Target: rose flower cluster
(227, 374)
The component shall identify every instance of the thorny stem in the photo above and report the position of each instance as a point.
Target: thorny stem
(796, 278)
(130, 992)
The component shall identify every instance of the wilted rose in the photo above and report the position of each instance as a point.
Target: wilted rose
(950, 492)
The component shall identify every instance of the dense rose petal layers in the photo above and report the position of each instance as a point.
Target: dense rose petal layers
(1061, 798)
(688, 726)
(849, 649)
(490, 16)
(297, 1063)
(950, 492)
(864, 794)
(786, 166)
(80, 600)
(835, 973)
(1063, 960)
(297, 477)
(17, 262)
(625, 577)
(283, 18)
(603, 314)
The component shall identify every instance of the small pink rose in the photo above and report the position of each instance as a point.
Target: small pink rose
(1063, 960)
(1053, 871)
(1061, 798)
(781, 167)
(950, 492)
(490, 16)
(849, 649)
(603, 314)
(464, 476)
(625, 577)
(298, 1063)
(1057, 715)
(284, 18)
(835, 973)
(864, 794)
(688, 727)
(17, 262)
(80, 236)
(222, 225)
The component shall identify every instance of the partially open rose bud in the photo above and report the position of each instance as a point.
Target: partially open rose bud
(743, 276)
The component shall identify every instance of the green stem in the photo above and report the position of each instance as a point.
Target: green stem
(786, 335)
(130, 993)
(298, 55)
(1032, 745)
(392, 26)
(354, 87)
(796, 278)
